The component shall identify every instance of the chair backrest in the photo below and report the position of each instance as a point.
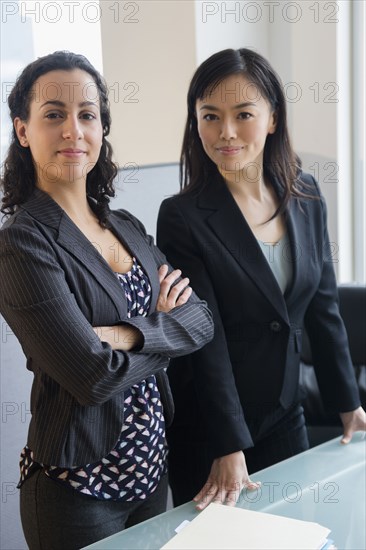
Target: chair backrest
(352, 305)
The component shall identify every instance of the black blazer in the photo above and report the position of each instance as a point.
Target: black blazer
(55, 287)
(251, 368)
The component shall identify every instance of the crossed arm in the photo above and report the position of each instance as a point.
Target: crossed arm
(58, 340)
(129, 338)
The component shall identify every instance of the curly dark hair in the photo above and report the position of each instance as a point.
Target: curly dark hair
(280, 162)
(19, 173)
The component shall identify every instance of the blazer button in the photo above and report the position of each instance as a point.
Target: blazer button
(275, 326)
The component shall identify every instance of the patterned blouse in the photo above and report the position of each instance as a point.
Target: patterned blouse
(132, 470)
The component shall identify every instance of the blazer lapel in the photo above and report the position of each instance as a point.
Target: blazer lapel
(231, 228)
(300, 245)
(75, 242)
(43, 208)
(135, 242)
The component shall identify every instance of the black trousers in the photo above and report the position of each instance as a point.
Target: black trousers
(190, 459)
(55, 517)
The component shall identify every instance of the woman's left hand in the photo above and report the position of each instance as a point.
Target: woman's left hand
(120, 337)
(352, 421)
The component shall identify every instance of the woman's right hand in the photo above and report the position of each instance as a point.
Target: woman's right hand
(228, 476)
(172, 296)
(128, 338)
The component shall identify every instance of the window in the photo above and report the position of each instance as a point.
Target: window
(33, 29)
(358, 141)
(351, 141)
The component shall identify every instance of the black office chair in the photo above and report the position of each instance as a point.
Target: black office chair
(323, 425)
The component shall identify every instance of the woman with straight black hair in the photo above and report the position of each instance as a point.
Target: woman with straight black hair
(249, 228)
(97, 311)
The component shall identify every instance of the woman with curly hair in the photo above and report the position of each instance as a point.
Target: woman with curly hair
(96, 309)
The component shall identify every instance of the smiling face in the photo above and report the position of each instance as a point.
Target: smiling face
(64, 130)
(233, 124)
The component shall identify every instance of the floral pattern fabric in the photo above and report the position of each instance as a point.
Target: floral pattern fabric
(133, 469)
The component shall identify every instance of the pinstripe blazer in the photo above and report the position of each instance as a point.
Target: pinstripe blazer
(55, 287)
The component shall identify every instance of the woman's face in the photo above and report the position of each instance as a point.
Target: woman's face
(233, 124)
(64, 130)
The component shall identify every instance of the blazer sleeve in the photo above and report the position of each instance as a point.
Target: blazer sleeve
(182, 330)
(56, 338)
(327, 334)
(216, 392)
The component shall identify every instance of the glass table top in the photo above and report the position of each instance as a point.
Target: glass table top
(326, 484)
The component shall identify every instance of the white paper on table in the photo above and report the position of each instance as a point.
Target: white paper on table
(220, 527)
(182, 526)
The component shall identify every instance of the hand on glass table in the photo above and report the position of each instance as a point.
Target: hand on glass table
(228, 476)
(352, 421)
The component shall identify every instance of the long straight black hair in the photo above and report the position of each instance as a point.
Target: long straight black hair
(280, 162)
(19, 174)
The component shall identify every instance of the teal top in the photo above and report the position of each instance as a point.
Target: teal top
(278, 256)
